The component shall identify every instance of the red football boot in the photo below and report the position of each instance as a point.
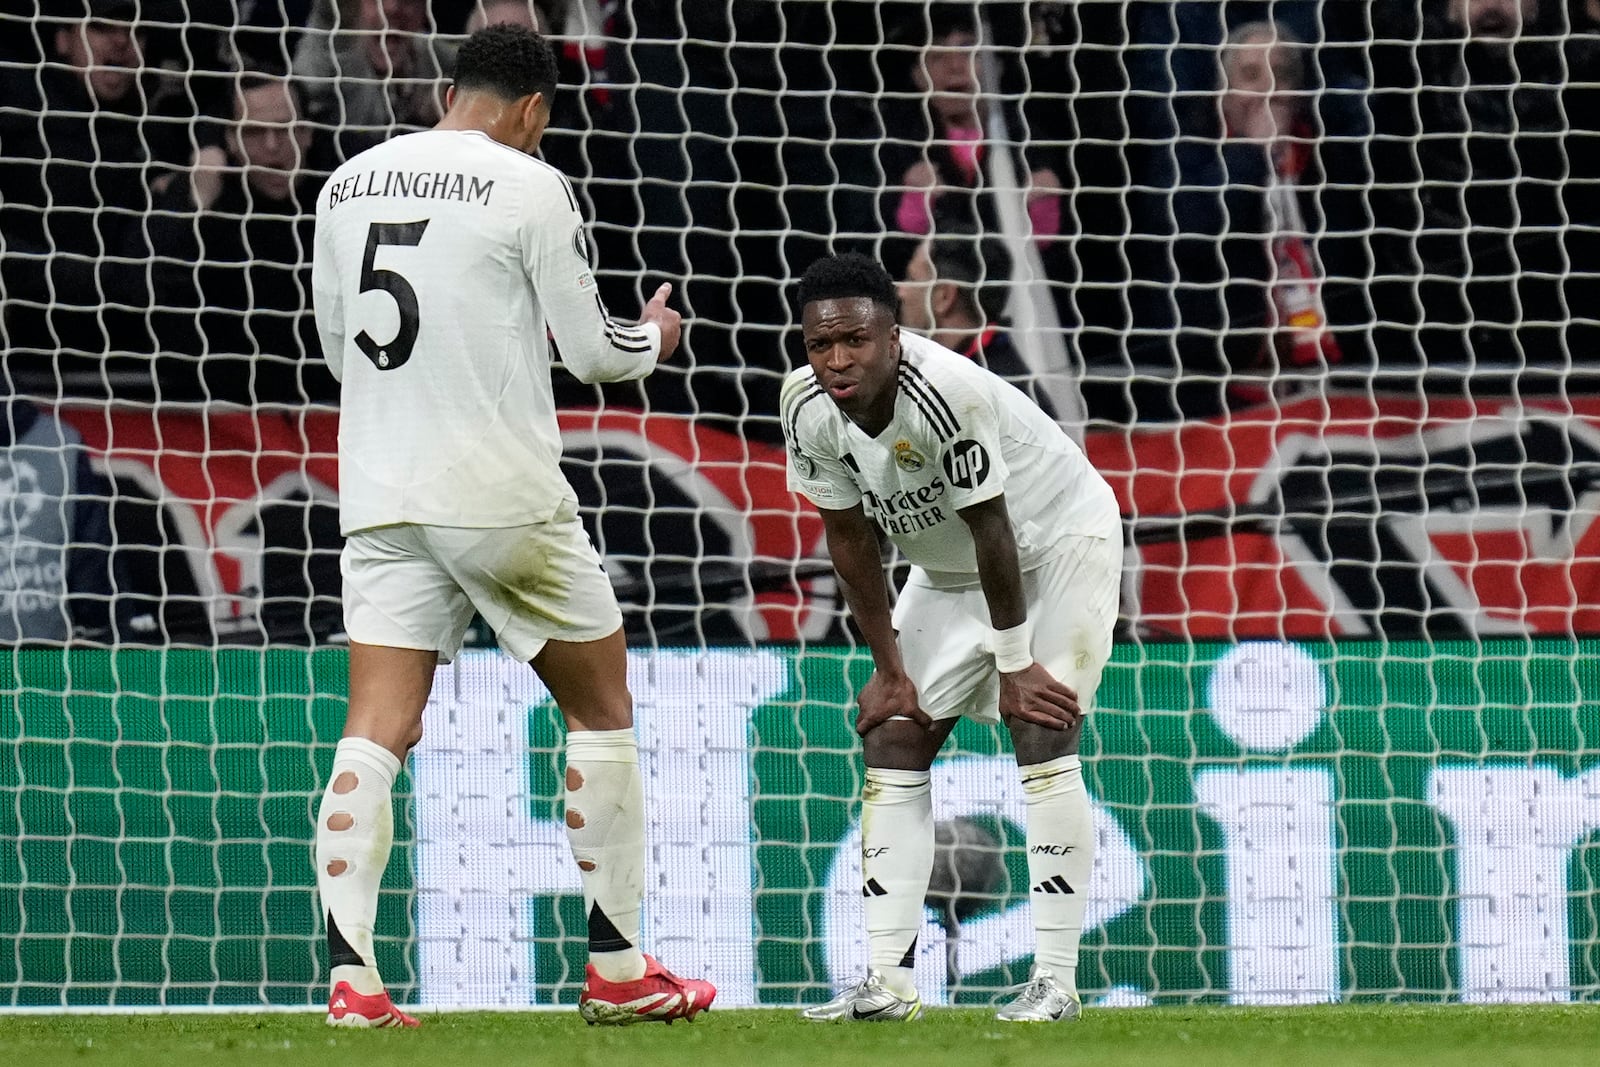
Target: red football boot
(660, 996)
(346, 1007)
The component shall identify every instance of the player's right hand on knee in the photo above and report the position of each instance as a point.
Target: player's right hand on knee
(886, 696)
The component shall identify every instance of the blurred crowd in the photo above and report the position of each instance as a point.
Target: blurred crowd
(1222, 201)
(1139, 210)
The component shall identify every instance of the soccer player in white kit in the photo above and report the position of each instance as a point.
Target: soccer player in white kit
(1015, 543)
(441, 259)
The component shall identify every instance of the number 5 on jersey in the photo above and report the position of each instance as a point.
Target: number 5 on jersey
(397, 351)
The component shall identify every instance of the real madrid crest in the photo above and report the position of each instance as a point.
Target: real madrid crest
(907, 458)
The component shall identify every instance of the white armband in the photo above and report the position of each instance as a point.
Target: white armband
(1013, 648)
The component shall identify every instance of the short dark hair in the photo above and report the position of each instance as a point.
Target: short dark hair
(510, 61)
(979, 262)
(271, 75)
(849, 275)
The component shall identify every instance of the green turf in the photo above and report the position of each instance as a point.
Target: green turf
(1190, 1037)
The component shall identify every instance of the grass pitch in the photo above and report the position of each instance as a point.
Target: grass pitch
(1154, 1037)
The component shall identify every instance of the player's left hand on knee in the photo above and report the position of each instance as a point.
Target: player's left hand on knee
(1033, 695)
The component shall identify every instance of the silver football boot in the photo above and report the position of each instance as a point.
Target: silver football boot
(869, 1001)
(1041, 1000)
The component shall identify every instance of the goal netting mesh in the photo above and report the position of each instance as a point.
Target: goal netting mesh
(1314, 283)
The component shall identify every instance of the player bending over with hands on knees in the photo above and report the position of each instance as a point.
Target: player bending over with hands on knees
(1015, 544)
(441, 257)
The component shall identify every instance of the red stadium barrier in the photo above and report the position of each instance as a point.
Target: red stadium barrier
(1340, 517)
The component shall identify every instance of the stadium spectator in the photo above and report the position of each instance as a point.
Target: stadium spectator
(735, 175)
(78, 152)
(1026, 93)
(231, 268)
(56, 564)
(369, 68)
(937, 146)
(1079, 54)
(954, 290)
(1173, 61)
(1484, 204)
(1176, 141)
(1266, 214)
(481, 13)
(494, 12)
(262, 33)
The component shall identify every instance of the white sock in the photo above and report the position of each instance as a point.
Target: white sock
(1060, 858)
(896, 864)
(355, 829)
(605, 826)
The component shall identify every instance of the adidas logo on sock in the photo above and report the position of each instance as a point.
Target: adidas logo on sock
(873, 889)
(1056, 884)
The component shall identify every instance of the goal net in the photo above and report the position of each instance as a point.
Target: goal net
(1313, 283)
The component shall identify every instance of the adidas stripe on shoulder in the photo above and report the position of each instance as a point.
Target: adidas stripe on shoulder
(935, 410)
(798, 391)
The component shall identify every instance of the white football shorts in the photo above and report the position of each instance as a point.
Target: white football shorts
(1072, 603)
(411, 586)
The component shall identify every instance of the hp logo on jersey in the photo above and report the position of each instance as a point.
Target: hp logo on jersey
(967, 464)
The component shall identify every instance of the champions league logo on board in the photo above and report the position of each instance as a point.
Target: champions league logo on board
(19, 488)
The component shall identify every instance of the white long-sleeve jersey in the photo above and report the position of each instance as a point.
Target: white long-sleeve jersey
(441, 260)
(960, 435)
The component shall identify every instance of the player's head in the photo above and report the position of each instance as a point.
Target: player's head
(512, 69)
(848, 320)
(958, 279)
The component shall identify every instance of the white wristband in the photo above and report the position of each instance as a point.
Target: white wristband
(1013, 648)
